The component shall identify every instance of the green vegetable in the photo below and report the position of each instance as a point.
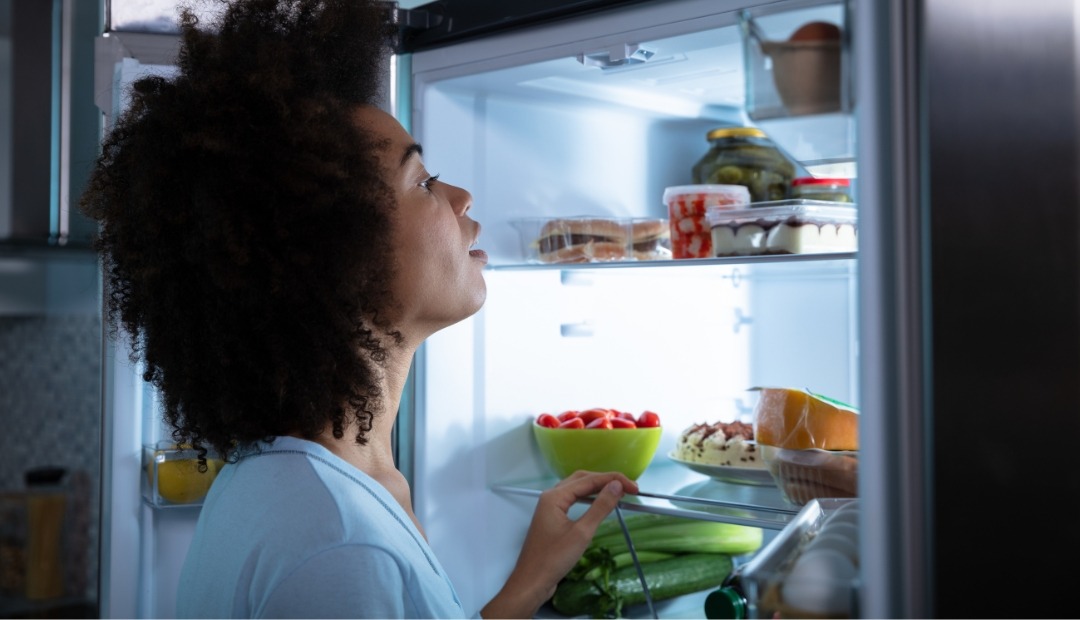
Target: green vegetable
(670, 578)
(634, 522)
(681, 535)
(626, 559)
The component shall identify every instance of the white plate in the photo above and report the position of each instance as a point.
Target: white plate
(737, 475)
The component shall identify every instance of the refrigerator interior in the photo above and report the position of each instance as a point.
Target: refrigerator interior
(533, 128)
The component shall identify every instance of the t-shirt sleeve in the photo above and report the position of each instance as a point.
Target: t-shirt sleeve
(349, 581)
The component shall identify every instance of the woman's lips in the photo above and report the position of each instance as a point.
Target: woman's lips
(479, 254)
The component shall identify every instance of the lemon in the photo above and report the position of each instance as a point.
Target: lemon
(181, 482)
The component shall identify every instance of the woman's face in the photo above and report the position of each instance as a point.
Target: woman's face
(439, 278)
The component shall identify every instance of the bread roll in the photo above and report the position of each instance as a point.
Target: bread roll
(651, 239)
(583, 240)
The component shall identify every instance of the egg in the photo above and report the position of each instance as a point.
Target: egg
(816, 31)
(841, 528)
(820, 582)
(848, 516)
(837, 542)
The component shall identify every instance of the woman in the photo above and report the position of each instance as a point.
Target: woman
(277, 249)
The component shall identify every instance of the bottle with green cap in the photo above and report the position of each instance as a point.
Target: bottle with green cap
(745, 156)
(729, 601)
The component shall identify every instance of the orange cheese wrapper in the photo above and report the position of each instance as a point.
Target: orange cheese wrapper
(797, 419)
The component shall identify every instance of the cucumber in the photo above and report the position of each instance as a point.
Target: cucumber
(670, 578)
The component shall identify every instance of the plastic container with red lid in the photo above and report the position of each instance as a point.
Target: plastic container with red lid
(814, 188)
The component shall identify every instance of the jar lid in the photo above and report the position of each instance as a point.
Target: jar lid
(735, 132)
(820, 181)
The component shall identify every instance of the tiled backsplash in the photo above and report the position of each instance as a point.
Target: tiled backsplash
(50, 410)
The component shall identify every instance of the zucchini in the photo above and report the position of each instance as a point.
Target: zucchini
(685, 536)
(670, 578)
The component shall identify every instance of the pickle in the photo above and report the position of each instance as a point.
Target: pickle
(748, 160)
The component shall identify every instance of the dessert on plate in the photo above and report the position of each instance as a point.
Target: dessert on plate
(724, 444)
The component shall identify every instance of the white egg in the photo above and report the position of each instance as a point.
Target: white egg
(847, 530)
(837, 542)
(848, 516)
(820, 582)
(852, 506)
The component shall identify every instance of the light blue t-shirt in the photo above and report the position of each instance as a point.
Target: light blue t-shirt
(295, 531)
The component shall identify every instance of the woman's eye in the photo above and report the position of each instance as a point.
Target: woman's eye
(430, 182)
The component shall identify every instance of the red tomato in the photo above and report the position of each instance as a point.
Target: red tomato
(626, 415)
(623, 423)
(599, 423)
(589, 415)
(548, 420)
(648, 419)
(574, 422)
(566, 415)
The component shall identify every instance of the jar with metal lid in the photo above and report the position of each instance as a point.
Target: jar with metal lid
(813, 188)
(745, 156)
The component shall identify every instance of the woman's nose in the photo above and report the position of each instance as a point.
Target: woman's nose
(460, 200)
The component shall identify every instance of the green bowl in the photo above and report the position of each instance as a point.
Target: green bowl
(626, 450)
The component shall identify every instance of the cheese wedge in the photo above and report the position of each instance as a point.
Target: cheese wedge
(799, 420)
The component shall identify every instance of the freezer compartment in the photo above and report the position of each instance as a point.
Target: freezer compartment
(173, 476)
(810, 570)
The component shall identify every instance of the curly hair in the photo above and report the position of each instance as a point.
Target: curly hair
(243, 224)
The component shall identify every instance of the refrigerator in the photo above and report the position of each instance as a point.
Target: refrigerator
(954, 327)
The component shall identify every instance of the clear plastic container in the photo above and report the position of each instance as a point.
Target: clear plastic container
(690, 233)
(810, 570)
(830, 190)
(172, 476)
(576, 239)
(784, 227)
(745, 156)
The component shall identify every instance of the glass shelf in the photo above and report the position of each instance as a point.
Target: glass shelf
(695, 262)
(692, 495)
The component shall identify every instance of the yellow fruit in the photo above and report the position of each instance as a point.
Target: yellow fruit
(181, 482)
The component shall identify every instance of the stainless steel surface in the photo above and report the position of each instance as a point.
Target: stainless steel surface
(969, 302)
(637, 564)
(893, 450)
(1003, 260)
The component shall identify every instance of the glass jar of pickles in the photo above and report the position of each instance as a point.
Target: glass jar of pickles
(745, 156)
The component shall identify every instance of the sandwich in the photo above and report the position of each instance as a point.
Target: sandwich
(584, 240)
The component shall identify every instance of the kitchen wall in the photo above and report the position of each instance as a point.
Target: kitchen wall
(50, 401)
(50, 317)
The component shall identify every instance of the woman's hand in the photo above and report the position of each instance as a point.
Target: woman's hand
(555, 542)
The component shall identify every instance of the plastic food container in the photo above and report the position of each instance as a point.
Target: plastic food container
(650, 238)
(807, 74)
(171, 475)
(806, 475)
(809, 570)
(576, 239)
(687, 204)
(830, 190)
(783, 227)
(745, 156)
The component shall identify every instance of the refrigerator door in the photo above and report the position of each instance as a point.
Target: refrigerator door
(143, 545)
(969, 305)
